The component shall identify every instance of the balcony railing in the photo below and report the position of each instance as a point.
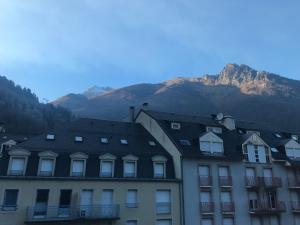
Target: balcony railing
(205, 181)
(266, 207)
(225, 181)
(69, 213)
(294, 183)
(295, 206)
(8, 207)
(227, 207)
(271, 182)
(253, 182)
(207, 207)
(163, 208)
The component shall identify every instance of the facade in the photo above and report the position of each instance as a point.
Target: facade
(232, 172)
(90, 172)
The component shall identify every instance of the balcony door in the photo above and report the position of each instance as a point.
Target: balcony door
(253, 196)
(271, 199)
(225, 197)
(86, 201)
(64, 209)
(268, 176)
(106, 203)
(41, 203)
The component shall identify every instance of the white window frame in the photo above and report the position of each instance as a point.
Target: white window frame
(132, 204)
(78, 139)
(216, 130)
(130, 159)
(159, 159)
(211, 138)
(175, 126)
(47, 155)
(18, 153)
(81, 157)
(161, 205)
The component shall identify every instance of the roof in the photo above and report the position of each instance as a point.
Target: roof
(92, 130)
(4, 137)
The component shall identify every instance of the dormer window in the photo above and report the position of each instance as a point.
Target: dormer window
(107, 164)
(47, 163)
(78, 139)
(295, 137)
(104, 140)
(185, 142)
(152, 143)
(78, 164)
(292, 149)
(130, 166)
(211, 144)
(253, 132)
(18, 162)
(159, 167)
(175, 126)
(50, 137)
(124, 141)
(216, 130)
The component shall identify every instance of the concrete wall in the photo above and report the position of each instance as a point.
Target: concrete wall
(145, 213)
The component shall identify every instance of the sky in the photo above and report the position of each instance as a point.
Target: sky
(56, 47)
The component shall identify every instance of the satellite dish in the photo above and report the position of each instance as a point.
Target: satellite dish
(220, 116)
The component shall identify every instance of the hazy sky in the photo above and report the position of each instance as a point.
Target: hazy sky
(59, 46)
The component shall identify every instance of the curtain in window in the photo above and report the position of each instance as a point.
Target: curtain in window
(159, 169)
(130, 167)
(107, 197)
(106, 167)
(18, 164)
(47, 165)
(205, 146)
(132, 196)
(217, 147)
(77, 166)
(163, 197)
(290, 152)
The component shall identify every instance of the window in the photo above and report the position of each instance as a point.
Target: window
(256, 153)
(216, 130)
(17, 166)
(78, 139)
(106, 168)
(163, 222)
(152, 143)
(228, 221)
(185, 142)
(253, 132)
(159, 170)
(46, 167)
(131, 222)
(163, 202)
(64, 209)
(10, 200)
(130, 169)
(293, 152)
(41, 204)
(107, 197)
(207, 221)
(211, 147)
(131, 200)
(175, 126)
(124, 142)
(104, 140)
(78, 168)
(50, 137)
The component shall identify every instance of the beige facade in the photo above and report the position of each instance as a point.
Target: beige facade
(144, 214)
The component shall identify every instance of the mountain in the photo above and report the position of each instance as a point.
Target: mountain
(238, 90)
(21, 111)
(96, 91)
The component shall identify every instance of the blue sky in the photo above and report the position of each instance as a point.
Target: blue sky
(59, 46)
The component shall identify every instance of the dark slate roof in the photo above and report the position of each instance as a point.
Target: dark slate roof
(4, 137)
(92, 131)
(192, 127)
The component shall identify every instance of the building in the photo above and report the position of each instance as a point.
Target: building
(89, 172)
(232, 172)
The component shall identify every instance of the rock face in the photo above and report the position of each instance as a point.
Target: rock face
(238, 90)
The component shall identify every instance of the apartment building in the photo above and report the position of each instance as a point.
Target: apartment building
(89, 172)
(232, 172)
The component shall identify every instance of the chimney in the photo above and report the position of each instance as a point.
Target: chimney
(226, 121)
(131, 114)
(145, 106)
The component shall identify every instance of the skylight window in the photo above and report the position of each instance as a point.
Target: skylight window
(278, 135)
(216, 130)
(241, 131)
(295, 137)
(152, 143)
(104, 140)
(79, 139)
(50, 137)
(124, 142)
(185, 142)
(175, 126)
(274, 150)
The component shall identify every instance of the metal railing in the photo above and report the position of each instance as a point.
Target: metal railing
(295, 206)
(293, 182)
(60, 213)
(163, 208)
(252, 181)
(227, 207)
(207, 207)
(262, 206)
(271, 182)
(205, 181)
(225, 181)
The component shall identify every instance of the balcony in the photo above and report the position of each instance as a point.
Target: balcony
(227, 207)
(207, 207)
(271, 182)
(253, 182)
(225, 181)
(72, 213)
(295, 206)
(163, 208)
(266, 207)
(205, 181)
(294, 183)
